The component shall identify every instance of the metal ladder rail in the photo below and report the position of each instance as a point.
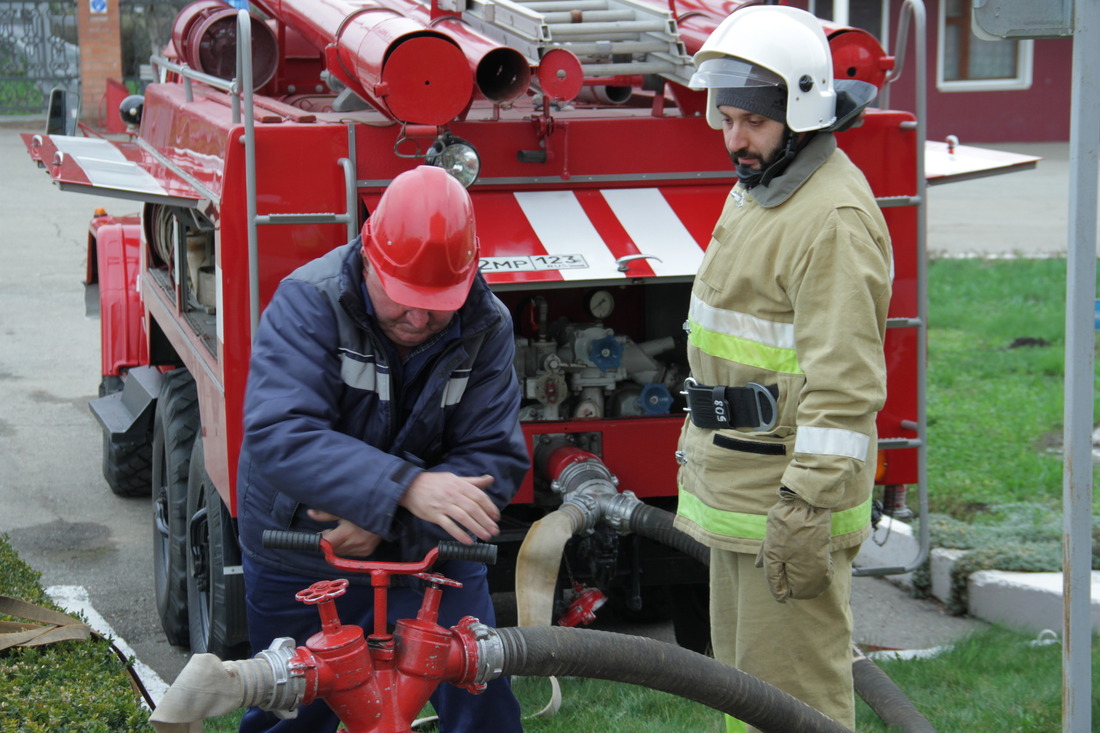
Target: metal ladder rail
(242, 85)
(627, 28)
(913, 11)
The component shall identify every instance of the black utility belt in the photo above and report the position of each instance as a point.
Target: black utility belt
(752, 406)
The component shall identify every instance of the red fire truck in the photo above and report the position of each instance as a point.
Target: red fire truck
(268, 139)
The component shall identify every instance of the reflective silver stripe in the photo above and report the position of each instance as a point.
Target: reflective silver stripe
(832, 442)
(456, 386)
(360, 371)
(741, 325)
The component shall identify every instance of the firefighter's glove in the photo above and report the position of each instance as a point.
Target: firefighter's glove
(795, 554)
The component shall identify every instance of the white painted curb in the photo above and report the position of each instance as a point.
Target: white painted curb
(1025, 601)
(74, 599)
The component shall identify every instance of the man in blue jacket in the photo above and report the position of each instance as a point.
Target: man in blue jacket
(382, 411)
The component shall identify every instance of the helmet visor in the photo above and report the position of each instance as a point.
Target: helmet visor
(728, 71)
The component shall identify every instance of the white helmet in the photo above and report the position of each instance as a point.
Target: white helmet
(769, 46)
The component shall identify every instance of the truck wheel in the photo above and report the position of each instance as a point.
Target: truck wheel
(215, 600)
(126, 467)
(174, 427)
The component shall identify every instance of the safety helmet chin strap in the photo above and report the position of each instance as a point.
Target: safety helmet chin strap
(750, 177)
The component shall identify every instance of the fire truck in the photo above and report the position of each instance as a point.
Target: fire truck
(268, 138)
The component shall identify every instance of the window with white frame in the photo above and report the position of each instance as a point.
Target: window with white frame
(966, 63)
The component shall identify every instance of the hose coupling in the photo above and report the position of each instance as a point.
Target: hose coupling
(273, 681)
(588, 507)
(586, 476)
(618, 509)
(490, 652)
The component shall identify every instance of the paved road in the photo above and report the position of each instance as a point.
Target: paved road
(1023, 213)
(57, 510)
(63, 520)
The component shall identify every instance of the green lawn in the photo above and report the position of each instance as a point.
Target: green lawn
(995, 409)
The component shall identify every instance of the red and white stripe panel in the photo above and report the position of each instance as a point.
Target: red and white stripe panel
(581, 235)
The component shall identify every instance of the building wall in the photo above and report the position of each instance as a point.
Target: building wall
(1038, 114)
(100, 56)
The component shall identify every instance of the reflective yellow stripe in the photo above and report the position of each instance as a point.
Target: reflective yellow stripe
(727, 524)
(733, 725)
(851, 520)
(752, 526)
(743, 351)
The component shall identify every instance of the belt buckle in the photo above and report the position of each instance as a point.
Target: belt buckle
(712, 411)
(709, 407)
(762, 392)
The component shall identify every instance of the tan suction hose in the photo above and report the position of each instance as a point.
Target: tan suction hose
(207, 687)
(538, 563)
(537, 578)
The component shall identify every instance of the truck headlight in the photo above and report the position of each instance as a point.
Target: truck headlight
(457, 157)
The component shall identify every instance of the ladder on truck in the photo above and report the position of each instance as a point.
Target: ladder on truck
(610, 37)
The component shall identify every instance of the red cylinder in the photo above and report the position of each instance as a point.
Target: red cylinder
(857, 55)
(205, 38)
(406, 70)
(501, 73)
(560, 74)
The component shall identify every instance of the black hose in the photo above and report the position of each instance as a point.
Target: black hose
(657, 524)
(545, 651)
(872, 684)
(883, 696)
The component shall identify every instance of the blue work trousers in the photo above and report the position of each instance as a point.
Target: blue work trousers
(273, 613)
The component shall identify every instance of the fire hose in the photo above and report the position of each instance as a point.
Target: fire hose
(591, 495)
(378, 683)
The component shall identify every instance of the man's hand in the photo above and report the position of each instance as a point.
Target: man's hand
(795, 554)
(455, 503)
(346, 538)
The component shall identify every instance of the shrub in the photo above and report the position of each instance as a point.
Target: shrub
(70, 685)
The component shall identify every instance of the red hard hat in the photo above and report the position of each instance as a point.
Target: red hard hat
(420, 240)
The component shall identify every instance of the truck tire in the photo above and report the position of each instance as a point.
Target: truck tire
(174, 428)
(127, 467)
(215, 600)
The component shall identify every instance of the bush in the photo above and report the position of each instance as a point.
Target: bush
(70, 685)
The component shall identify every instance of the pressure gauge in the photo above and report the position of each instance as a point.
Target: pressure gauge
(600, 303)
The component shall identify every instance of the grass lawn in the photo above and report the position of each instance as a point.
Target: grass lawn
(996, 346)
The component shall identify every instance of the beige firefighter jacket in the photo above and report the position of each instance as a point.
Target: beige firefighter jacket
(793, 291)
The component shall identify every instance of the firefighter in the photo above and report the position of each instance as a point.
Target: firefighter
(785, 343)
(382, 411)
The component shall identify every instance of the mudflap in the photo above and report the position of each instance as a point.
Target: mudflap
(127, 415)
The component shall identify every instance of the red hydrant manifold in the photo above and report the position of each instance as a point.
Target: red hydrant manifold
(377, 683)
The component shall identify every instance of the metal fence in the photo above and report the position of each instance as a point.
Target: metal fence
(39, 48)
(38, 51)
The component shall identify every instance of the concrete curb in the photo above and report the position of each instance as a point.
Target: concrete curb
(1024, 601)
